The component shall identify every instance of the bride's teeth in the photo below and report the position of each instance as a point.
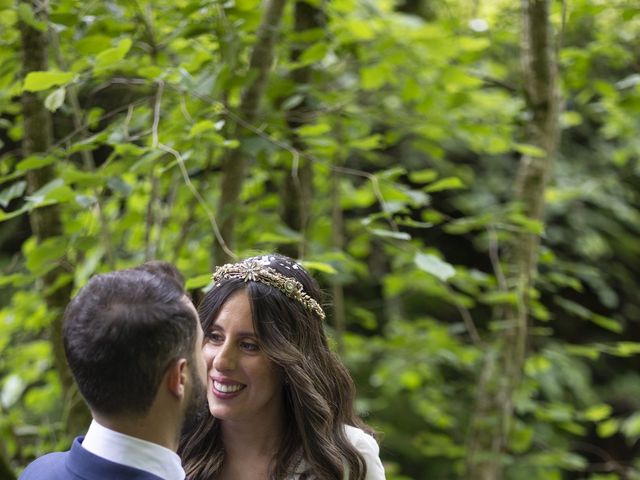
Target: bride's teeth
(221, 387)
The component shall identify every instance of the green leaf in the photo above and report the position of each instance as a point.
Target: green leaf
(34, 162)
(89, 265)
(608, 428)
(498, 298)
(360, 29)
(367, 143)
(472, 44)
(390, 234)
(44, 255)
(41, 400)
(409, 222)
(38, 81)
(372, 77)
(628, 82)
(11, 279)
(118, 184)
(423, 176)
(151, 72)
(536, 365)
(410, 379)
(25, 12)
(435, 266)
(14, 191)
(314, 54)
(53, 192)
(314, 130)
(92, 44)
(631, 426)
(320, 267)
(626, 349)
(530, 150)
(468, 224)
(448, 183)
(292, 102)
(202, 126)
(11, 390)
(278, 237)
(391, 174)
(597, 413)
(606, 323)
(521, 438)
(529, 224)
(72, 175)
(4, 216)
(110, 56)
(55, 99)
(86, 201)
(62, 18)
(246, 5)
(199, 281)
(586, 314)
(589, 352)
(570, 119)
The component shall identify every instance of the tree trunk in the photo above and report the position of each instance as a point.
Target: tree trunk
(45, 222)
(337, 242)
(298, 185)
(234, 162)
(6, 472)
(490, 429)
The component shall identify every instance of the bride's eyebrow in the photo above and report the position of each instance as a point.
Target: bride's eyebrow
(248, 335)
(243, 333)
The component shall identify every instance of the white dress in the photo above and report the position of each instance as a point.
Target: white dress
(367, 447)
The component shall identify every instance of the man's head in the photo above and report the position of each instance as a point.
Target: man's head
(124, 330)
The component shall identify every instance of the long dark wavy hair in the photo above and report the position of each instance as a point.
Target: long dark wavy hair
(318, 390)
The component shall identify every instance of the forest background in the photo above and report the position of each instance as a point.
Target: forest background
(462, 176)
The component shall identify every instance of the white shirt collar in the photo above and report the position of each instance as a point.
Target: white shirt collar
(133, 452)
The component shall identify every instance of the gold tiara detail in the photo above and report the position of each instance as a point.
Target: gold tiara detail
(255, 271)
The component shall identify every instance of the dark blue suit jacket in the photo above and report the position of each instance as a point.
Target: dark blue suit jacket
(80, 464)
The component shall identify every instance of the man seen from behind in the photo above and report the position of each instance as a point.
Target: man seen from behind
(133, 342)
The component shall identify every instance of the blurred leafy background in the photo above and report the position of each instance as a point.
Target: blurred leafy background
(380, 142)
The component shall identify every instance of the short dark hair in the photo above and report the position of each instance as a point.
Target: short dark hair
(122, 331)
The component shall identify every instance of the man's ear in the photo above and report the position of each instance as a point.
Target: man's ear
(176, 377)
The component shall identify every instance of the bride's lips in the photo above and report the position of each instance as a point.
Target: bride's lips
(226, 389)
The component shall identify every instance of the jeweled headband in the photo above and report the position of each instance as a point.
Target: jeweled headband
(258, 270)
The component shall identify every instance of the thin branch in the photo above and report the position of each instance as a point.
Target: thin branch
(494, 256)
(150, 218)
(466, 317)
(376, 189)
(165, 210)
(156, 114)
(105, 235)
(297, 154)
(185, 174)
(186, 226)
(563, 26)
(127, 121)
(489, 80)
(184, 110)
(106, 116)
(201, 200)
(146, 21)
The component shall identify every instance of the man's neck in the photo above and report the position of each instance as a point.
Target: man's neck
(145, 427)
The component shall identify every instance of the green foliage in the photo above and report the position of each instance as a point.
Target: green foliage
(421, 121)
